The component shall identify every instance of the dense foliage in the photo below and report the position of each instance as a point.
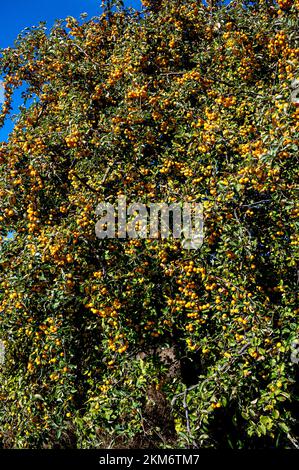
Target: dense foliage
(123, 343)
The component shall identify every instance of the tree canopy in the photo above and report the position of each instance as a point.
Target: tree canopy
(141, 343)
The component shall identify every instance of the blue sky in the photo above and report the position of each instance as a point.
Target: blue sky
(18, 14)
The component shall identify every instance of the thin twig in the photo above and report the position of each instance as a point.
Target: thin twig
(83, 181)
(224, 368)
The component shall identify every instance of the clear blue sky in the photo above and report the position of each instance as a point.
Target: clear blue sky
(15, 15)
